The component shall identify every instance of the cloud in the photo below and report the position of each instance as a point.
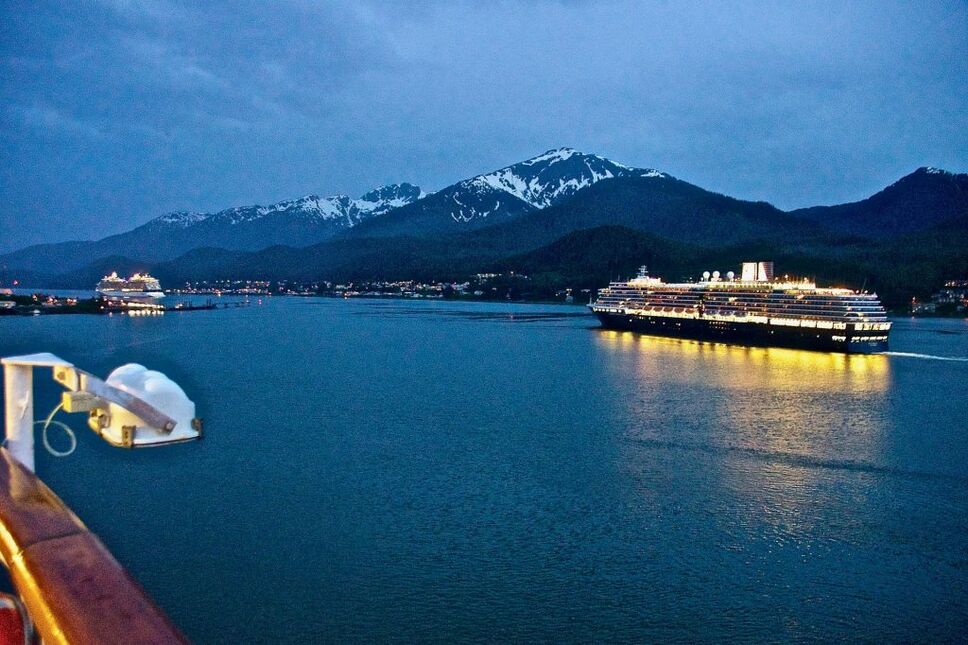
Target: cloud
(47, 121)
(162, 105)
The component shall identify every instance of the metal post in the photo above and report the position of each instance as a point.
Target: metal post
(18, 383)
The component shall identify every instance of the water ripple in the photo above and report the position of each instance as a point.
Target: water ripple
(795, 459)
(930, 357)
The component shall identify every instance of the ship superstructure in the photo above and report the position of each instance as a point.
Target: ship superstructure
(750, 309)
(140, 286)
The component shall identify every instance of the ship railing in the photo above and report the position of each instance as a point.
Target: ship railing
(667, 311)
(791, 314)
(664, 314)
(72, 587)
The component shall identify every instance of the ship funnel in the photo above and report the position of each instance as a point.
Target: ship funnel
(757, 271)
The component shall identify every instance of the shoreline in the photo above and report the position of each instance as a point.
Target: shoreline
(61, 305)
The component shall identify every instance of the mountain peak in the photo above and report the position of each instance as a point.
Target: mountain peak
(930, 170)
(553, 155)
(553, 176)
(403, 192)
(927, 175)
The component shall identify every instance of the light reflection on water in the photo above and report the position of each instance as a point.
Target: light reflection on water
(793, 406)
(770, 400)
(753, 368)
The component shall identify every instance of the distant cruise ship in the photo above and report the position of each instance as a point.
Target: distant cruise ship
(752, 310)
(140, 286)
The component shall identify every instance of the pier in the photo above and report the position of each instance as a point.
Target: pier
(44, 304)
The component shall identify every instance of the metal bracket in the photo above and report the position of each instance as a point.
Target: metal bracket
(79, 401)
(78, 380)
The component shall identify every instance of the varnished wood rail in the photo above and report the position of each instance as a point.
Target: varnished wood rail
(73, 588)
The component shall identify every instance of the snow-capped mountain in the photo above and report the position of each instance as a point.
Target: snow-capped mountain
(545, 180)
(338, 210)
(552, 176)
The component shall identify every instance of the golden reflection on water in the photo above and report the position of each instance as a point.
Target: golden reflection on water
(750, 369)
(766, 426)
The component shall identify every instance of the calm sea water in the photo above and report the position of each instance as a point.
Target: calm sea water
(391, 470)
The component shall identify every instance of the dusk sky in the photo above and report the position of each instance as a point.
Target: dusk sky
(116, 112)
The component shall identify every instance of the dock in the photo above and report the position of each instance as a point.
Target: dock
(43, 304)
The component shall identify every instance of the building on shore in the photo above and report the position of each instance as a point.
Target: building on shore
(952, 298)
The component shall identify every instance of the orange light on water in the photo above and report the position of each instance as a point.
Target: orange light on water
(738, 367)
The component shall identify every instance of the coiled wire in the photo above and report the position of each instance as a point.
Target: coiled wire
(49, 421)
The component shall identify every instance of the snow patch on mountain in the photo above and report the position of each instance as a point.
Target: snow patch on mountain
(551, 156)
(181, 219)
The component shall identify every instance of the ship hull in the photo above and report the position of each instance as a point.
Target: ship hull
(137, 296)
(760, 335)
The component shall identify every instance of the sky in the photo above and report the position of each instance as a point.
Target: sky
(115, 112)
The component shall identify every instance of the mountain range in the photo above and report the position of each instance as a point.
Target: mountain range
(549, 179)
(296, 222)
(566, 217)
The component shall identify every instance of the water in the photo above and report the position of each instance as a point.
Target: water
(393, 470)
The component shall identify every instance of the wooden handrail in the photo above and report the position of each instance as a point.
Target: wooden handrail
(73, 588)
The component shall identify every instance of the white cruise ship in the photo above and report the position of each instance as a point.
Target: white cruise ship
(751, 309)
(140, 286)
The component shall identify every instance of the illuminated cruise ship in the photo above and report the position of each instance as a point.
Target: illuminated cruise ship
(140, 286)
(752, 309)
